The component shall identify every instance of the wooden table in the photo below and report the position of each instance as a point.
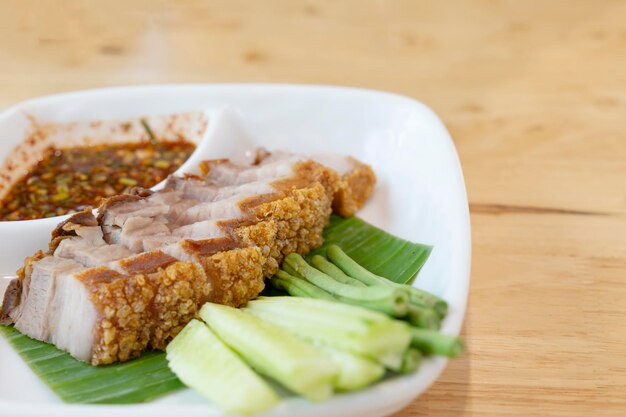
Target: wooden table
(534, 94)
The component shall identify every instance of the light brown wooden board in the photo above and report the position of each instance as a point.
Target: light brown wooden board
(534, 94)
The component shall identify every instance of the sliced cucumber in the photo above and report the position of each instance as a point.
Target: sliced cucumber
(355, 371)
(273, 352)
(200, 359)
(342, 326)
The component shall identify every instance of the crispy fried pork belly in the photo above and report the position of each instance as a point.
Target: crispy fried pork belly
(130, 279)
(356, 182)
(290, 193)
(90, 253)
(101, 316)
(300, 200)
(355, 187)
(36, 313)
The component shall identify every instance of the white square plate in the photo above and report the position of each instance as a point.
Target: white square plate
(420, 196)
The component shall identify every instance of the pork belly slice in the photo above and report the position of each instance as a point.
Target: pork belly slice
(175, 200)
(234, 272)
(355, 187)
(73, 315)
(147, 310)
(294, 203)
(347, 181)
(227, 173)
(141, 234)
(86, 245)
(235, 275)
(130, 206)
(11, 302)
(143, 263)
(89, 255)
(300, 204)
(203, 190)
(300, 218)
(150, 227)
(133, 311)
(204, 229)
(129, 219)
(81, 239)
(136, 230)
(273, 181)
(33, 315)
(139, 311)
(210, 237)
(251, 188)
(102, 316)
(357, 180)
(54, 307)
(152, 235)
(297, 204)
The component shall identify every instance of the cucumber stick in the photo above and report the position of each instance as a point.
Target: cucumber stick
(200, 359)
(273, 352)
(341, 326)
(355, 371)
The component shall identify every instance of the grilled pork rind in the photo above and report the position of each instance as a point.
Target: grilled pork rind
(355, 188)
(287, 213)
(356, 179)
(142, 310)
(303, 213)
(147, 310)
(117, 316)
(130, 280)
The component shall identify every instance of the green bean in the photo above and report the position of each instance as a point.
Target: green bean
(411, 361)
(330, 269)
(385, 299)
(432, 342)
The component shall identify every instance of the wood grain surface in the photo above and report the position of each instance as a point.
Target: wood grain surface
(534, 94)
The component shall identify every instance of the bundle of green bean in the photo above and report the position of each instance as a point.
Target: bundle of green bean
(340, 278)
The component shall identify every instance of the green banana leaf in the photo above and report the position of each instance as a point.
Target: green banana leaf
(376, 250)
(149, 377)
(139, 380)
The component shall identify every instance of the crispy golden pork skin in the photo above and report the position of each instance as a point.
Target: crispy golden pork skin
(110, 287)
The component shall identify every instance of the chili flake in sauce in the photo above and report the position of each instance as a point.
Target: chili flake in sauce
(69, 180)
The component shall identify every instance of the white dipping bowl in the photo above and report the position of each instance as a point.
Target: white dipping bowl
(29, 128)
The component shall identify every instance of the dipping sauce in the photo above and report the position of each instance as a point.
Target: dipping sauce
(72, 179)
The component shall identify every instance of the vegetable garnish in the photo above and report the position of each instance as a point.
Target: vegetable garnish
(387, 299)
(309, 346)
(374, 249)
(348, 282)
(417, 297)
(272, 351)
(432, 342)
(205, 363)
(149, 377)
(345, 327)
(297, 342)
